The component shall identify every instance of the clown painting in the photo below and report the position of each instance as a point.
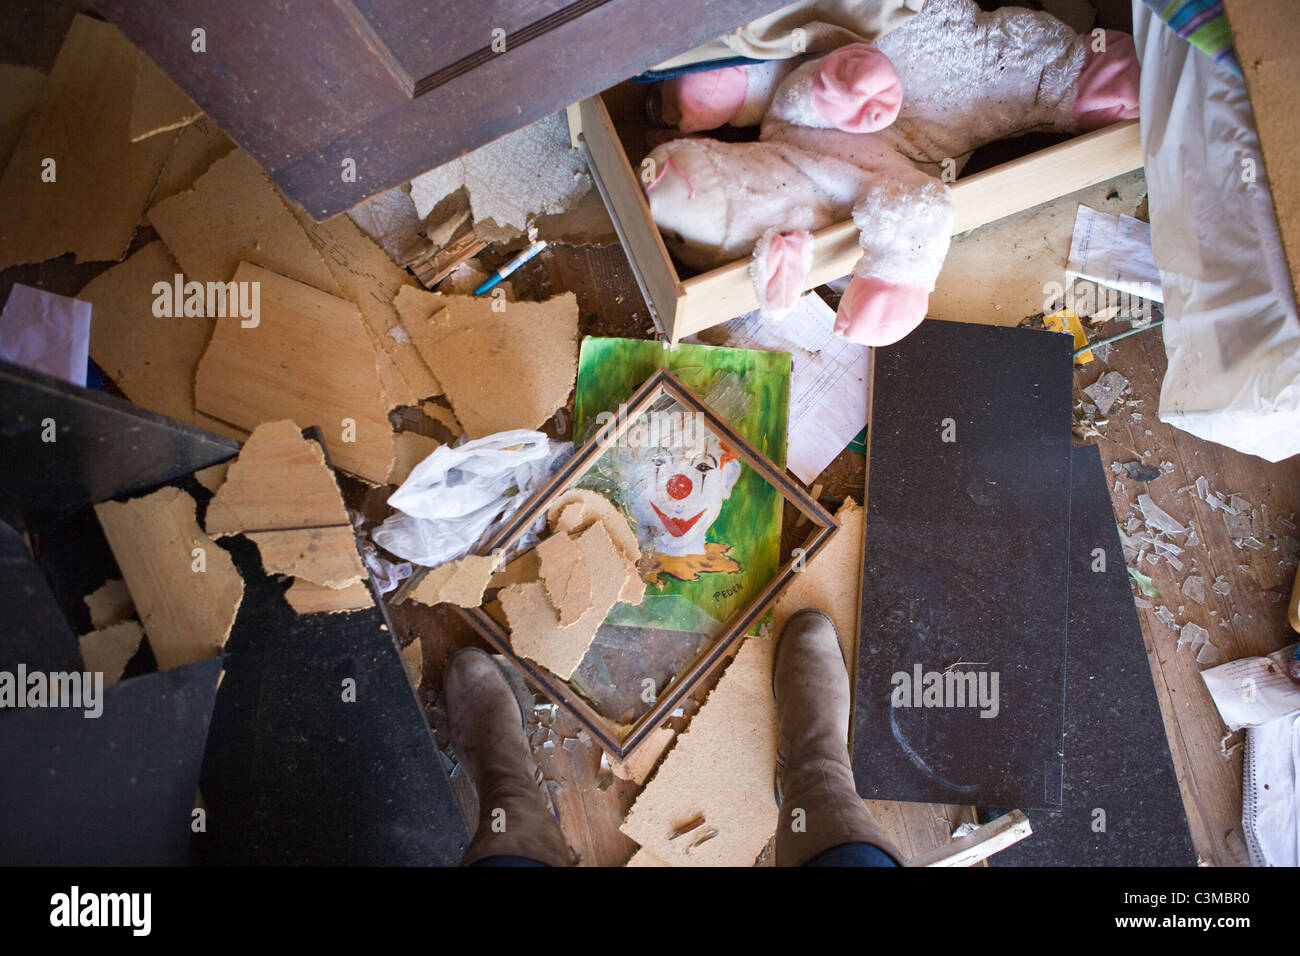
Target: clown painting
(709, 526)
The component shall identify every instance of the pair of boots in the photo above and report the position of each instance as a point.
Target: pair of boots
(820, 807)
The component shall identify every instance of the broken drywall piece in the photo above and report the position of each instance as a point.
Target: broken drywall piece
(638, 767)
(280, 480)
(412, 448)
(308, 358)
(460, 582)
(1106, 391)
(20, 91)
(831, 582)
(324, 556)
(413, 659)
(533, 171)
(474, 348)
(721, 768)
(234, 214)
(158, 104)
(193, 151)
(108, 650)
(307, 598)
(566, 576)
(535, 631)
(368, 277)
(151, 359)
(78, 135)
(212, 477)
(109, 604)
(184, 584)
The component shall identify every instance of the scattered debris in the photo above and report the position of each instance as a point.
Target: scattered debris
(109, 604)
(1144, 583)
(1106, 391)
(460, 582)
(1194, 587)
(1156, 518)
(1221, 586)
(1192, 634)
(323, 556)
(1140, 472)
(109, 649)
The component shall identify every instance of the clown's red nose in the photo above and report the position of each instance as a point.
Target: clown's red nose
(679, 486)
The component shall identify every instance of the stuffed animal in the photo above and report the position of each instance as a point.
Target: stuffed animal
(872, 132)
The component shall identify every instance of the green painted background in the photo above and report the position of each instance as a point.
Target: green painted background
(610, 370)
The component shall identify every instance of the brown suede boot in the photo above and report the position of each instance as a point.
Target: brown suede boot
(820, 806)
(515, 816)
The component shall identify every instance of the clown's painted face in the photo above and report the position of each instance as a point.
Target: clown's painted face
(677, 474)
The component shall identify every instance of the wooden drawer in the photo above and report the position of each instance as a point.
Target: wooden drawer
(682, 307)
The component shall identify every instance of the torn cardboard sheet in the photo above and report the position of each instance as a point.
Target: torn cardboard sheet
(523, 568)
(307, 598)
(89, 200)
(234, 214)
(444, 415)
(323, 556)
(212, 477)
(367, 276)
(578, 509)
(20, 91)
(460, 582)
(721, 770)
(110, 649)
(184, 585)
(279, 481)
(109, 604)
(645, 758)
(530, 172)
(412, 448)
(310, 359)
(151, 359)
(474, 347)
(535, 629)
(413, 659)
(46, 332)
(157, 104)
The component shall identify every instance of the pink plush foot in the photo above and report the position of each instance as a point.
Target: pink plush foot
(704, 100)
(780, 265)
(857, 89)
(876, 312)
(1108, 85)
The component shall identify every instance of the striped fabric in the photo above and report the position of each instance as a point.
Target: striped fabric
(1203, 24)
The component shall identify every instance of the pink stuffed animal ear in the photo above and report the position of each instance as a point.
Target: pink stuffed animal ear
(857, 89)
(876, 312)
(1108, 85)
(704, 100)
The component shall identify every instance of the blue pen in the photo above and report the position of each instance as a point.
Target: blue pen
(535, 247)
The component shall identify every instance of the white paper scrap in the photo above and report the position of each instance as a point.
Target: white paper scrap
(1114, 251)
(46, 332)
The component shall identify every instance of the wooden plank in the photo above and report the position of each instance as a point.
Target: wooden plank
(266, 65)
(728, 291)
(183, 584)
(980, 843)
(628, 207)
(309, 359)
(279, 481)
(102, 179)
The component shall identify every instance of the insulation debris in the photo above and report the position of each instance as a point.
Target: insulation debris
(1106, 391)
(460, 582)
(527, 173)
(721, 769)
(279, 481)
(184, 585)
(474, 347)
(110, 649)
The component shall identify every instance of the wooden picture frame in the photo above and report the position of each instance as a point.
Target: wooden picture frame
(662, 383)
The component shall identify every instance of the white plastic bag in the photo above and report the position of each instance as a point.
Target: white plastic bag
(452, 497)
